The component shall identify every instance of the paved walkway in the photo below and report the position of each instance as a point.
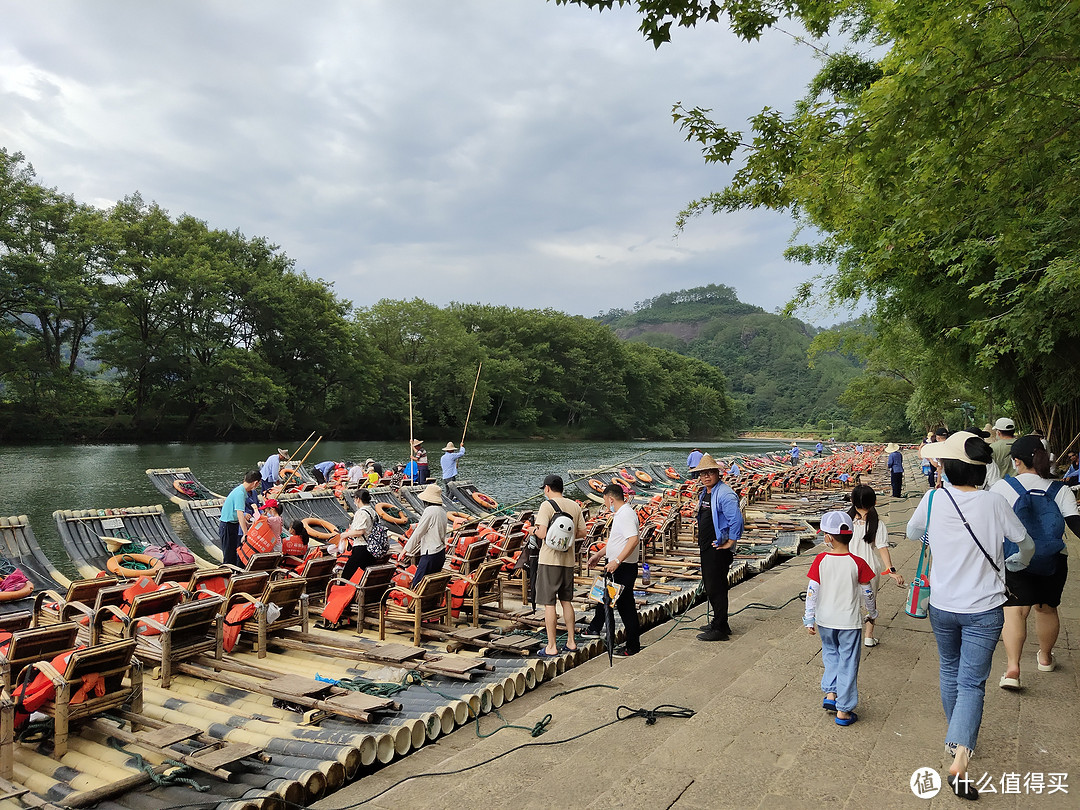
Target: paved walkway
(759, 738)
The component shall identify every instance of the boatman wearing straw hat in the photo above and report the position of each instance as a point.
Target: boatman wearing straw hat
(720, 526)
(449, 461)
(419, 455)
(270, 471)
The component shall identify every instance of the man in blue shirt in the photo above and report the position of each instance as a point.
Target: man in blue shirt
(323, 470)
(449, 461)
(270, 471)
(692, 461)
(234, 517)
(794, 453)
(719, 525)
(820, 448)
(896, 467)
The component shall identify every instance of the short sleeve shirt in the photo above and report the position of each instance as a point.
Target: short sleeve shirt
(838, 577)
(624, 525)
(235, 502)
(548, 555)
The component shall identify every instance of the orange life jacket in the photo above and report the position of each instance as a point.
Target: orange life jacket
(237, 615)
(259, 539)
(340, 597)
(146, 585)
(29, 697)
(457, 596)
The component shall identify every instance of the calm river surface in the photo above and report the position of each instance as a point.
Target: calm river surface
(37, 480)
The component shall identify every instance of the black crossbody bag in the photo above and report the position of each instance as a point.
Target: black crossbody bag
(989, 559)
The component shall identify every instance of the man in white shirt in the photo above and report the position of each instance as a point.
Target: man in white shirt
(622, 554)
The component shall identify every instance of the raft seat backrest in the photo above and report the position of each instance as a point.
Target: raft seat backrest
(318, 573)
(286, 594)
(181, 573)
(10, 622)
(142, 606)
(35, 644)
(474, 554)
(81, 590)
(193, 621)
(373, 585)
(203, 574)
(266, 561)
(253, 583)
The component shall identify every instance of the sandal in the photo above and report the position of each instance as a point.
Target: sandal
(847, 721)
(1045, 667)
(542, 653)
(1013, 684)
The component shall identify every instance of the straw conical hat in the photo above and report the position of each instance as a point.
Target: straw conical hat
(449, 448)
(433, 494)
(707, 463)
(892, 447)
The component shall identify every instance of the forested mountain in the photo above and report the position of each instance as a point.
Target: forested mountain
(763, 356)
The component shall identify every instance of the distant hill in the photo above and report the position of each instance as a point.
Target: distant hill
(762, 354)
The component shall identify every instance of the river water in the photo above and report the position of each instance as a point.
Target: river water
(38, 480)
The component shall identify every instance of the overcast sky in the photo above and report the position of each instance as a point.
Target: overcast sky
(505, 151)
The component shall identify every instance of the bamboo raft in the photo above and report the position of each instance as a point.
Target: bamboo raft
(303, 731)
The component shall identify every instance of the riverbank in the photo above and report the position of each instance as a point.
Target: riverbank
(759, 738)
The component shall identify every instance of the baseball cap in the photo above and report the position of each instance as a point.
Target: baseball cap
(1004, 423)
(837, 524)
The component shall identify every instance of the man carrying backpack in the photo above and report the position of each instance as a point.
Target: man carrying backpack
(559, 522)
(1044, 507)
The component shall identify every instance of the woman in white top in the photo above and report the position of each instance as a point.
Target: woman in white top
(966, 532)
(429, 537)
(871, 542)
(1041, 585)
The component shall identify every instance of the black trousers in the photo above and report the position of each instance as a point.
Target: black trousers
(625, 575)
(359, 557)
(715, 563)
(229, 538)
(897, 483)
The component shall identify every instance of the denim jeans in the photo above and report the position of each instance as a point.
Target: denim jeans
(840, 652)
(966, 643)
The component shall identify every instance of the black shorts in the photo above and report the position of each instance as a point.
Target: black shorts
(1036, 589)
(554, 583)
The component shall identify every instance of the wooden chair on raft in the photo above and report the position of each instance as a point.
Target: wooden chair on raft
(287, 596)
(115, 622)
(367, 593)
(30, 645)
(475, 553)
(482, 587)
(168, 630)
(430, 600)
(49, 605)
(211, 580)
(107, 665)
(10, 622)
(181, 573)
(83, 612)
(267, 561)
(317, 573)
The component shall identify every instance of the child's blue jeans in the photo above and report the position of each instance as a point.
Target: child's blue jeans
(840, 651)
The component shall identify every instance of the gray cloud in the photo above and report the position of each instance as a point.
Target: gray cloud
(516, 153)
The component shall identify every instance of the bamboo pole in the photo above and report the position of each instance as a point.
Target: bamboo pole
(411, 451)
(297, 466)
(473, 397)
(305, 441)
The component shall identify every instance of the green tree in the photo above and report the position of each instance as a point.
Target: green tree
(943, 177)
